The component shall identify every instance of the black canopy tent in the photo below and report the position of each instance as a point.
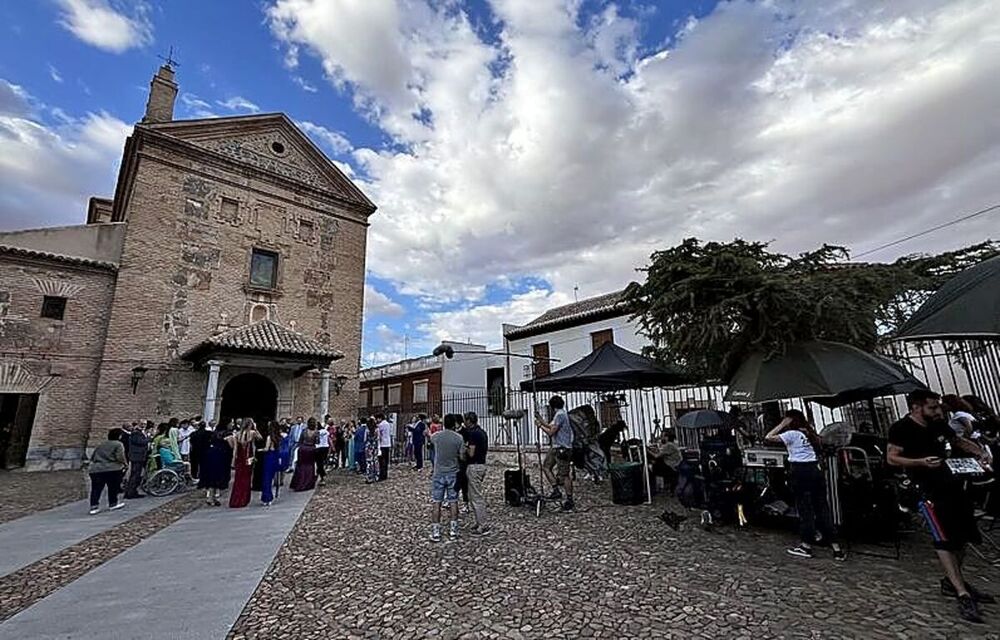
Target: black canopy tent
(611, 368)
(608, 368)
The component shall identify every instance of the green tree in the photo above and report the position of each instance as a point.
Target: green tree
(706, 306)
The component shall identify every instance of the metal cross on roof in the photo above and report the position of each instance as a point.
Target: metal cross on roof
(169, 58)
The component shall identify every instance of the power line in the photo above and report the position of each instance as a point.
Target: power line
(930, 230)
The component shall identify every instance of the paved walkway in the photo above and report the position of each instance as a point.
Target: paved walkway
(31, 538)
(190, 580)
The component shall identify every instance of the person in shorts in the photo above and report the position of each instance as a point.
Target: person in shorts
(560, 455)
(449, 448)
(920, 444)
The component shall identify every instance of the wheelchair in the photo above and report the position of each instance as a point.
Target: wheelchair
(167, 480)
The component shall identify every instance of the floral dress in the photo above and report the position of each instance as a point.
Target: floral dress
(371, 457)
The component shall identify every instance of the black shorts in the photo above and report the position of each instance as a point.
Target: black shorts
(951, 520)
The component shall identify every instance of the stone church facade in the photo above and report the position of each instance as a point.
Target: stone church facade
(225, 278)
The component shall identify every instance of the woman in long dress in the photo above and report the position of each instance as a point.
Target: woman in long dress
(269, 472)
(349, 462)
(243, 464)
(304, 477)
(216, 465)
(372, 452)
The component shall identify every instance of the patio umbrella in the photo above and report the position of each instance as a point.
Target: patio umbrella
(820, 371)
(967, 306)
(704, 419)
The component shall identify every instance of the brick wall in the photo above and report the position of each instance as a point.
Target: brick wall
(186, 261)
(70, 347)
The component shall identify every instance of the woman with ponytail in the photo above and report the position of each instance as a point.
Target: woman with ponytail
(808, 484)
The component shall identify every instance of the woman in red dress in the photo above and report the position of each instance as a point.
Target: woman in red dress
(243, 463)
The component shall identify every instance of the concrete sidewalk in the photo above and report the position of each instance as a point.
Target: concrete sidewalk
(189, 580)
(31, 538)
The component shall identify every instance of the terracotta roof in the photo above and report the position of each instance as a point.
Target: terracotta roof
(46, 255)
(571, 314)
(267, 337)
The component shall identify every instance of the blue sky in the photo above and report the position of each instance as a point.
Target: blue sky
(519, 149)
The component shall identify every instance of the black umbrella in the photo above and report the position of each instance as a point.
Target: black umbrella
(704, 419)
(826, 372)
(608, 368)
(967, 306)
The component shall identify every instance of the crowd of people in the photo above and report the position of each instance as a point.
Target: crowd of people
(245, 457)
(250, 457)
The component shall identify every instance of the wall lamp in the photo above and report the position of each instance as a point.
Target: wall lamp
(138, 373)
(338, 383)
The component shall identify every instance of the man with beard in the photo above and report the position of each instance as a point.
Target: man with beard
(920, 443)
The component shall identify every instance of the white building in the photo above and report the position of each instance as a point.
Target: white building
(568, 333)
(433, 384)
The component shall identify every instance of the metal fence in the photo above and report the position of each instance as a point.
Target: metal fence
(960, 367)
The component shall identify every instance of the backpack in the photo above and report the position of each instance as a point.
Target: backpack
(690, 489)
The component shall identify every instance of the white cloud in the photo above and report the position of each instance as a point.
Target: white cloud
(304, 84)
(47, 173)
(482, 323)
(54, 74)
(196, 107)
(99, 23)
(334, 141)
(379, 304)
(849, 122)
(238, 103)
(13, 99)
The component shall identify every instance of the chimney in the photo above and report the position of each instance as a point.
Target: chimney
(162, 93)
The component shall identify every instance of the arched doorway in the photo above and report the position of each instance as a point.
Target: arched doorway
(249, 395)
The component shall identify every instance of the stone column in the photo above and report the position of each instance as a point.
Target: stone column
(324, 393)
(212, 390)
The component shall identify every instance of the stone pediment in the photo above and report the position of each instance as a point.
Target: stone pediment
(270, 142)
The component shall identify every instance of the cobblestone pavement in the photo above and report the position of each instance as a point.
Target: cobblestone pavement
(21, 589)
(23, 493)
(359, 565)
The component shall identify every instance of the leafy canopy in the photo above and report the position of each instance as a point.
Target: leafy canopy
(706, 306)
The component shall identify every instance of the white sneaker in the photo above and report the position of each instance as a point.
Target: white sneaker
(453, 531)
(95, 510)
(118, 506)
(436, 533)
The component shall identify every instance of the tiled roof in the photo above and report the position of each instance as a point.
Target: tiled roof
(270, 337)
(570, 314)
(46, 255)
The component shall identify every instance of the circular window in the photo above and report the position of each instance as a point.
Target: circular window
(277, 147)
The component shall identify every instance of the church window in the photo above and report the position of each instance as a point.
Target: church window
(264, 269)
(306, 230)
(229, 210)
(277, 147)
(53, 307)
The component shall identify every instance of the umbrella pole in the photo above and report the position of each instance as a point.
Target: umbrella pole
(645, 459)
(538, 445)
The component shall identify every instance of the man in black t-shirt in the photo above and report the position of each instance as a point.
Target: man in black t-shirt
(919, 443)
(476, 447)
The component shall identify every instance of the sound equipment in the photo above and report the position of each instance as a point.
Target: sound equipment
(627, 486)
(761, 457)
(516, 487)
(965, 467)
